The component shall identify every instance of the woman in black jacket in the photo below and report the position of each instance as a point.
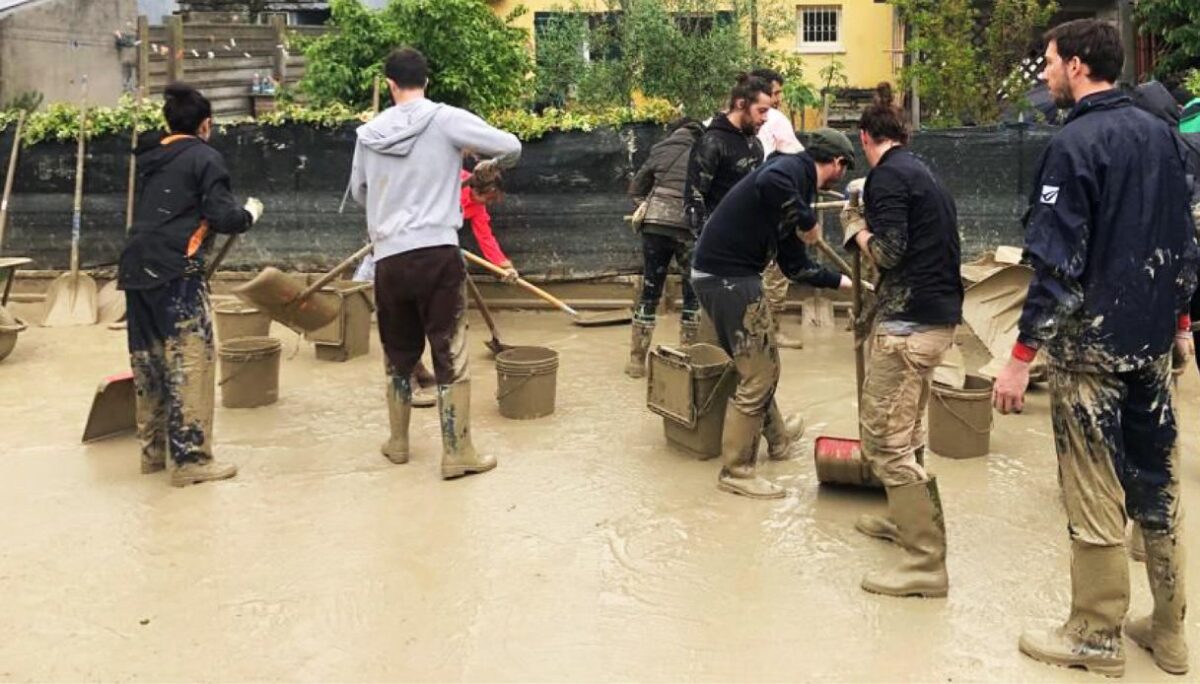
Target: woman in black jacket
(665, 236)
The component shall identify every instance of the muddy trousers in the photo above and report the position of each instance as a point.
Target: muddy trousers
(421, 295)
(1117, 445)
(658, 251)
(894, 398)
(775, 285)
(171, 354)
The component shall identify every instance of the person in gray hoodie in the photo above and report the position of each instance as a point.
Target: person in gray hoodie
(406, 175)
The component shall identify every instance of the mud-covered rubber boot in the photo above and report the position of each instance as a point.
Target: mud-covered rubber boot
(917, 510)
(1162, 631)
(881, 526)
(1091, 637)
(739, 446)
(206, 471)
(783, 340)
(689, 330)
(149, 413)
(400, 404)
(1136, 544)
(639, 348)
(783, 434)
(459, 457)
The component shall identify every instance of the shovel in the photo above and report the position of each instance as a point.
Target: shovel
(110, 300)
(285, 299)
(114, 408)
(494, 344)
(9, 266)
(521, 282)
(71, 298)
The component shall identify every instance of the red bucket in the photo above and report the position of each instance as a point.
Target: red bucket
(839, 460)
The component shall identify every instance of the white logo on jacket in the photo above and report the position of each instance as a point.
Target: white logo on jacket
(1049, 194)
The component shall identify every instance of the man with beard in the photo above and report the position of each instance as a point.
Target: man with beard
(1110, 237)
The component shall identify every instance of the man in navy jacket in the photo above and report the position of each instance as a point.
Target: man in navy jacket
(1110, 237)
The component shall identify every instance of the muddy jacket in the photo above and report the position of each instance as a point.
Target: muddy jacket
(183, 200)
(661, 181)
(1110, 237)
(758, 221)
(722, 157)
(915, 243)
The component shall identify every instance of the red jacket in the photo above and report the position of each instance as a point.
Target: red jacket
(481, 225)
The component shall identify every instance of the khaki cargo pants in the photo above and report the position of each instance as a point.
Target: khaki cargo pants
(895, 396)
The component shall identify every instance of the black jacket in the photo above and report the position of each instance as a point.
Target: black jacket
(1110, 237)
(722, 157)
(758, 221)
(183, 199)
(915, 243)
(662, 179)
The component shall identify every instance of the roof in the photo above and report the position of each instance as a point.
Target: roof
(9, 6)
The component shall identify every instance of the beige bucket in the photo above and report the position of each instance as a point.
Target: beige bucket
(238, 319)
(249, 372)
(690, 389)
(960, 420)
(528, 378)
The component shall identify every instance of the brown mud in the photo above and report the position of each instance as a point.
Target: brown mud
(594, 552)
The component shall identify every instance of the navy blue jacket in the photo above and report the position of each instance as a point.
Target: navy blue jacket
(1110, 237)
(757, 222)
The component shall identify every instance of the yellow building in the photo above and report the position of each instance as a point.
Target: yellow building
(861, 34)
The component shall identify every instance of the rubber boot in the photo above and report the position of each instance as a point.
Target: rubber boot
(206, 471)
(458, 453)
(1091, 637)
(917, 510)
(689, 331)
(1162, 631)
(639, 348)
(739, 446)
(400, 405)
(785, 341)
(1136, 543)
(783, 434)
(881, 526)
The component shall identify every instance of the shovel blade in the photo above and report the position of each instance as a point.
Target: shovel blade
(114, 408)
(276, 294)
(618, 317)
(110, 303)
(71, 301)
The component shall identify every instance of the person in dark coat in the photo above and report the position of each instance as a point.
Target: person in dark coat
(183, 202)
(658, 185)
(1110, 237)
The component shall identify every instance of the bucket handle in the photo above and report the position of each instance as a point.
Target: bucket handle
(715, 390)
(964, 421)
(234, 374)
(527, 377)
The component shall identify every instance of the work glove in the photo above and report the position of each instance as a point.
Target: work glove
(853, 222)
(254, 207)
(854, 189)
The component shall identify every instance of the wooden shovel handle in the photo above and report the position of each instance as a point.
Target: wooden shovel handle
(337, 270)
(483, 310)
(539, 292)
(12, 172)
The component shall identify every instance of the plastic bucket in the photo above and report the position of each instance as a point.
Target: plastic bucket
(10, 327)
(249, 372)
(527, 382)
(960, 420)
(713, 381)
(238, 319)
(839, 461)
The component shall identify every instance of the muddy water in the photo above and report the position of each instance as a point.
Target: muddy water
(594, 552)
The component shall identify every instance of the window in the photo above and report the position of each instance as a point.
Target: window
(819, 28)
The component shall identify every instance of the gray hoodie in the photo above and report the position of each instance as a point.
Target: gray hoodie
(406, 172)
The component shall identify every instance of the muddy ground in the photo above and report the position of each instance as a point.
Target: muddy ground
(594, 552)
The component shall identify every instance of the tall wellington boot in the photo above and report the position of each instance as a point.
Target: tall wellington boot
(399, 403)
(881, 526)
(458, 453)
(917, 511)
(639, 348)
(783, 434)
(739, 446)
(1091, 637)
(1162, 631)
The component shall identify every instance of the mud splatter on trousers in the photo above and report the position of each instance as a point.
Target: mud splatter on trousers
(658, 251)
(894, 398)
(742, 317)
(421, 295)
(171, 353)
(775, 285)
(1117, 447)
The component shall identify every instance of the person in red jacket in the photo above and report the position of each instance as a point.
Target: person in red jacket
(478, 190)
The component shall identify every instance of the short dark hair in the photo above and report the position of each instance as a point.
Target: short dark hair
(185, 108)
(1096, 43)
(747, 88)
(883, 119)
(407, 68)
(768, 75)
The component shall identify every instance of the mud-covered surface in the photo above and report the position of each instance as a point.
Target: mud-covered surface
(593, 552)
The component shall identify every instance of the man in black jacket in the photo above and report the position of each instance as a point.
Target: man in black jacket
(728, 150)
(1111, 240)
(183, 201)
(762, 218)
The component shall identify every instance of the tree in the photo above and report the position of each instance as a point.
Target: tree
(476, 60)
(1176, 24)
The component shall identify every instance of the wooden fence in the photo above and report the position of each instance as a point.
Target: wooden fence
(221, 59)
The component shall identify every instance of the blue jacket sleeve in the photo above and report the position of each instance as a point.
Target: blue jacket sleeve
(1058, 226)
(795, 263)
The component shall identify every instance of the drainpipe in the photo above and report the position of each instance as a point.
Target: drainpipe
(1129, 73)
